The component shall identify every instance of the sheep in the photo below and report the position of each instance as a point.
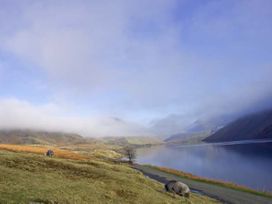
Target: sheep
(49, 153)
(178, 187)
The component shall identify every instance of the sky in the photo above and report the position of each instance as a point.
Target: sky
(130, 68)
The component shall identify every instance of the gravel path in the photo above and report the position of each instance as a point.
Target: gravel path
(223, 194)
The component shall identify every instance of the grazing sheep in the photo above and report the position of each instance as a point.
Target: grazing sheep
(178, 187)
(50, 153)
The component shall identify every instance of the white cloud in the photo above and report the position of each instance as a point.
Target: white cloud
(96, 45)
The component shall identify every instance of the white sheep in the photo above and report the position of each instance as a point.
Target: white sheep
(178, 187)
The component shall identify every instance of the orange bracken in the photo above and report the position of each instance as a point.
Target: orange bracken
(42, 150)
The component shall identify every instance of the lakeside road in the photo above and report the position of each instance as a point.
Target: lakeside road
(223, 194)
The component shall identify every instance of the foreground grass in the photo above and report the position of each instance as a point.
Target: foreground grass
(29, 177)
(212, 181)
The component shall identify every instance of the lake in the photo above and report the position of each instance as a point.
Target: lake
(248, 164)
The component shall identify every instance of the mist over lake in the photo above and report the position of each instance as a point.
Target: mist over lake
(245, 164)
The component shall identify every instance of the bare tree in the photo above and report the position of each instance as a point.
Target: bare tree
(130, 153)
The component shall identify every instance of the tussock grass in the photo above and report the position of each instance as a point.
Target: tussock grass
(28, 177)
(212, 181)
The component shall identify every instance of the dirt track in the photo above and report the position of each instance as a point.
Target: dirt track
(225, 195)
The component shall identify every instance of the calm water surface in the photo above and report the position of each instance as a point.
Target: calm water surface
(246, 164)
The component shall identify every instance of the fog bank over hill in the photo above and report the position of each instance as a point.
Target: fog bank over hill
(210, 118)
(16, 114)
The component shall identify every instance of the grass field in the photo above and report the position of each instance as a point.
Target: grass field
(27, 176)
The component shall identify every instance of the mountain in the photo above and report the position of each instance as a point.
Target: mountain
(253, 126)
(198, 131)
(188, 137)
(208, 126)
(40, 137)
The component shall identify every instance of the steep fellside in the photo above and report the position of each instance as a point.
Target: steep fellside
(254, 126)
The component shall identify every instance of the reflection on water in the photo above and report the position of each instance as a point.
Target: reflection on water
(246, 164)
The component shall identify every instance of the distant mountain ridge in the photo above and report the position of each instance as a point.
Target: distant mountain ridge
(253, 126)
(197, 131)
(40, 137)
(188, 137)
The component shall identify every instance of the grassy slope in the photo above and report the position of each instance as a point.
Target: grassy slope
(26, 177)
(144, 140)
(135, 141)
(41, 137)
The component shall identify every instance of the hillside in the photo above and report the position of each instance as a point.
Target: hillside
(34, 178)
(40, 137)
(188, 138)
(132, 141)
(254, 126)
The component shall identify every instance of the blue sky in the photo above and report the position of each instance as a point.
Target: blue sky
(150, 67)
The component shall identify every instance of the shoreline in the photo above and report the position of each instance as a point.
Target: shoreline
(211, 181)
(221, 191)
